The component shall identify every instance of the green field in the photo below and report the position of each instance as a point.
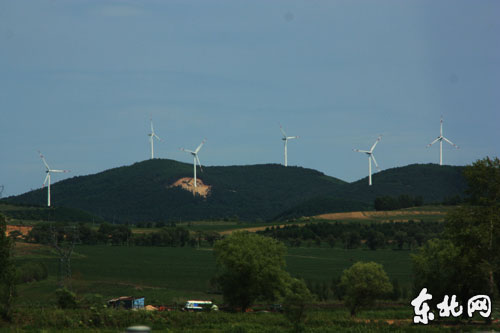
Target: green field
(171, 275)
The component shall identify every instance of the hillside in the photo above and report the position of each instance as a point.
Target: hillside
(144, 192)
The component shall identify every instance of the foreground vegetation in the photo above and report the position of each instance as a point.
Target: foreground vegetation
(107, 320)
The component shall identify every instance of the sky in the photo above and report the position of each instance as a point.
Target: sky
(79, 81)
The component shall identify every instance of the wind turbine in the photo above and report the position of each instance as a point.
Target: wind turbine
(47, 178)
(152, 136)
(440, 138)
(195, 158)
(370, 157)
(285, 139)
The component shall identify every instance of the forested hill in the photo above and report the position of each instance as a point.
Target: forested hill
(431, 182)
(143, 192)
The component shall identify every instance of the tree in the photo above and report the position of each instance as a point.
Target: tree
(295, 303)
(375, 239)
(440, 267)
(475, 227)
(7, 272)
(364, 282)
(467, 260)
(250, 267)
(400, 237)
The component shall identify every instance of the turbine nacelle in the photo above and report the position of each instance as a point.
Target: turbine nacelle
(371, 158)
(195, 158)
(285, 140)
(47, 177)
(153, 136)
(440, 139)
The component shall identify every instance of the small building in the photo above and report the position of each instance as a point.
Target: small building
(127, 302)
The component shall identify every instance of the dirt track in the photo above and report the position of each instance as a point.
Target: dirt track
(347, 216)
(367, 215)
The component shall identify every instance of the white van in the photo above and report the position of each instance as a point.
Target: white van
(199, 306)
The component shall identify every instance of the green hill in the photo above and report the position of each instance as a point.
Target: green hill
(143, 192)
(431, 181)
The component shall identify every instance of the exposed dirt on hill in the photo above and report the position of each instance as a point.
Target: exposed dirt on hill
(23, 229)
(254, 229)
(353, 216)
(187, 183)
(368, 215)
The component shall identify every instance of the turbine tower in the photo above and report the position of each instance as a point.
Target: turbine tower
(195, 158)
(370, 157)
(440, 138)
(152, 136)
(47, 178)
(285, 140)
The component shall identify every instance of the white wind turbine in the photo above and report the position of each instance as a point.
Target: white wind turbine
(285, 140)
(370, 157)
(152, 136)
(195, 158)
(47, 178)
(440, 138)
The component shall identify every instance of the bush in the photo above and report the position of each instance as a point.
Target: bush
(66, 299)
(32, 272)
(364, 282)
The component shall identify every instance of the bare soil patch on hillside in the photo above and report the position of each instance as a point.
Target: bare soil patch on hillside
(187, 184)
(379, 214)
(384, 216)
(23, 229)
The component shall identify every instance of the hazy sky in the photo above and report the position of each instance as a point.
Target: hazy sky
(80, 79)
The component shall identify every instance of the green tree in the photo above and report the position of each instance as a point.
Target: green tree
(467, 260)
(364, 282)
(295, 303)
(476, 227)
(400, 237)
(250, 267)
(7, 272)
(375, 239)
(440, 267)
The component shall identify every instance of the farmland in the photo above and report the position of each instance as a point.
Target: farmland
(171, 275)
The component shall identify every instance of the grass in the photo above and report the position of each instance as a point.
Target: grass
(106, 320)
(322, 264)
(167, 275)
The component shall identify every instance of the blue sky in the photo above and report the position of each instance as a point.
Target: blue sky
(80, 79)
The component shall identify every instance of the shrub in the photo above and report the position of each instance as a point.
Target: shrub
(66, 299)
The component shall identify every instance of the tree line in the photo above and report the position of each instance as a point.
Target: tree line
(111, 234)
(353, 235)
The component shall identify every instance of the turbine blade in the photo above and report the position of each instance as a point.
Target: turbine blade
(377, 141)
(375, 161)
(433, 142)
(188, 151)
(451, 143)
(282, 131)
(46, 178)
(43, 159)
(59, 170)
(199, 147)
(291, 137)
(199, 163)
(157, 137)
(361, 151)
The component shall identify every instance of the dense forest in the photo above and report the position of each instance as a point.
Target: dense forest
(143, 191)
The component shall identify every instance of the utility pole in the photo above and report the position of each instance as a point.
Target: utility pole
(64, 245)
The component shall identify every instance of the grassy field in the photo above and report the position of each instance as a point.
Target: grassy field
(169, 275)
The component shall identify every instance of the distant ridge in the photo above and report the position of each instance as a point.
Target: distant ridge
(143, 191)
